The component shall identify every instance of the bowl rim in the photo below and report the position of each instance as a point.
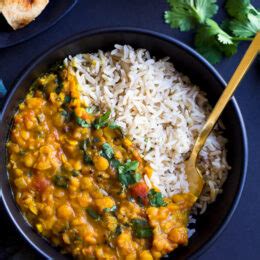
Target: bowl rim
(171, 40)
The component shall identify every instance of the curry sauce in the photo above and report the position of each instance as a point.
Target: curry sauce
(80, 181)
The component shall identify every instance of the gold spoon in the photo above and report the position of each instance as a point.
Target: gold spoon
(194, 175)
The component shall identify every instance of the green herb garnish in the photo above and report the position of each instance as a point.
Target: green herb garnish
(75, 173)
(107, 151)
(102, 121)
(156, 198)
(118, 230)
(212, 40)
(83, 145)
(141, 228)
(81, 122)
(125, 173)
(87, 159)
(92, 110)
(61, 181)
(67, 99)
(113, 209)
(114, 163)
(93, 214)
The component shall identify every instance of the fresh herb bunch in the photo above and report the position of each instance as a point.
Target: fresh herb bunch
(212, 40)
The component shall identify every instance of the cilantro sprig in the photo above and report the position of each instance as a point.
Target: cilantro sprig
(212, 40)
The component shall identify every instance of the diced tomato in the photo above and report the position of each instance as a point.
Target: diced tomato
(40, 183)
(140, 190)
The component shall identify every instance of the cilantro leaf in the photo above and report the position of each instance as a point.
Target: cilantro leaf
(141, 228)
(81, 122)
(107, 151)
(67, 99)
(87, 159)
(156, 198)
(102, 120)
(113, 209)
(238, 8)
(84, 144)
(214, 43)
(247, 27)
(93, 214)
(114, 163)
(92, 110)
(61, 181)
(128, 166)
(125, 175)
(187, 14)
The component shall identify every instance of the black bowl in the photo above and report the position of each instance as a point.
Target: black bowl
(209, 225)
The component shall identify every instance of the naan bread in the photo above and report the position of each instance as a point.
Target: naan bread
(19, 13)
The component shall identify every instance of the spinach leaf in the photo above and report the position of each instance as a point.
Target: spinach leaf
(102, 120)
(156, 198)
(92, 213)
(141, 228)
(61, 181)
(107, 151)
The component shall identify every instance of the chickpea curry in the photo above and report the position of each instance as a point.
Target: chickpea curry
(80, 181)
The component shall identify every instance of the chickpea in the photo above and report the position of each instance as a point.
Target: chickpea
(179, 235)
(101, 163)
(25, 135)
(86, 183)
(146, 255)
(84, 199)
(105, 202)
(28, 160)
(65, 211)
(20, 183)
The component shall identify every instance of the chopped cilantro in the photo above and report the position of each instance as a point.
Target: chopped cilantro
(61, 181)
(83, 145)
(67, 99)
(87, 159)
(114, 163)
(141, 228)
(75, 173)
(102, 121)
(92, 110)
(81, 122)
(156, 198)
(93, 214)
(113, 209)
(107, 151)
(125, 173)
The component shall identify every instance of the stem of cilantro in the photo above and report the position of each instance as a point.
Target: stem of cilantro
(242, 39)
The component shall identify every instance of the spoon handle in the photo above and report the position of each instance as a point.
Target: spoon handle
(242, 68)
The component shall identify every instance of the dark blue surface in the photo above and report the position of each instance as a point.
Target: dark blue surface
(241, 239)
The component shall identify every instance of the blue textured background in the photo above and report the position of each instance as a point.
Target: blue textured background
(241, 239)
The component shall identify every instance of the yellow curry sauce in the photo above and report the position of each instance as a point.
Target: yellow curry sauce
(79, 181)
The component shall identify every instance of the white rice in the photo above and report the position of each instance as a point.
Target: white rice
(160, 109)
